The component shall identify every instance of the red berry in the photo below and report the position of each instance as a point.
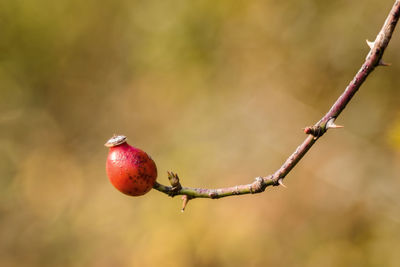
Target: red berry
(129, 169)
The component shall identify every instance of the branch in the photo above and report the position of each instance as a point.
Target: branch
(373, 59)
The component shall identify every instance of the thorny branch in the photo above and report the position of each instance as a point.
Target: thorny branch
(373, 59)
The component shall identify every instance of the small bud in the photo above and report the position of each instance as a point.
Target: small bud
(174, 180)
(315, 130)
(307, 130)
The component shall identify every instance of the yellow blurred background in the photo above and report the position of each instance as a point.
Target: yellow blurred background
(218, 91)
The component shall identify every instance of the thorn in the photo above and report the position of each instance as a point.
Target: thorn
(185, 199)
(334, 126)
(370, 44)
(382, 63)
(281, 183)
(331, 125)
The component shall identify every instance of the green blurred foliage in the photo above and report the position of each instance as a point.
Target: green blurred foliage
(217, 91)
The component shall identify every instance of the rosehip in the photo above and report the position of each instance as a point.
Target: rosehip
(129, 169)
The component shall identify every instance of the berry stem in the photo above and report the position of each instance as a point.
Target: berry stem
(373, 59)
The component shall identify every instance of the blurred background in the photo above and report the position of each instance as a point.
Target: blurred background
(217, 91)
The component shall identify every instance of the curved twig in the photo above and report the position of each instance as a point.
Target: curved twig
(373, 59)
